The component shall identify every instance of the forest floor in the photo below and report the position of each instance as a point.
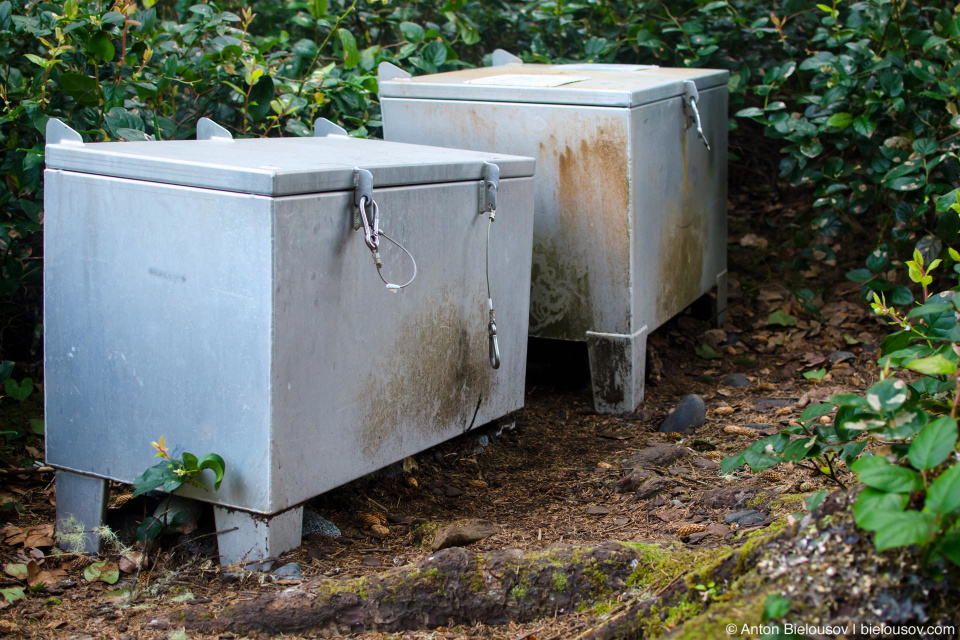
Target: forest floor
(556, 478)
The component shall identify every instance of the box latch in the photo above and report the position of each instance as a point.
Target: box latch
(489, 184)
(690, 98)
(363, 188)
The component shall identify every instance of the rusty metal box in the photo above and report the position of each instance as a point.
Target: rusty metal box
(217, 293)
(630, 223)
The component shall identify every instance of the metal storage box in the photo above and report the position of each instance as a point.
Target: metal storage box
(630, 223)
(216, 292)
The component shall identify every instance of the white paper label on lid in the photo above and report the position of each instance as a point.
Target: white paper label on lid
(526, 80)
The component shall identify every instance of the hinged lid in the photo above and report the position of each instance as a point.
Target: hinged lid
(612, 85)
(276, 166)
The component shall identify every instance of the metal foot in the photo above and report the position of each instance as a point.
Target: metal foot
(617, 367)
(720, 312)
(243, 538)
(81, 508)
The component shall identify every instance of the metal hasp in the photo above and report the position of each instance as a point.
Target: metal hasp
(488, 188)
(207, 129)
(258, 336)
(362, 195)
(690, 98)
(631, 206)
(323, 127)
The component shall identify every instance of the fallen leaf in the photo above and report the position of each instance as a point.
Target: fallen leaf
(18, 571)
(104, 571)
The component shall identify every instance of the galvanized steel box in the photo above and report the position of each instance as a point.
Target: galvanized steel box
(630, 223)
(216, 292)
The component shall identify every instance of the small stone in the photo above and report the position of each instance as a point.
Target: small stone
(370, 561)
(659, 502)
(753, 518)
(460, 535)
(736, 516)
(718, 530)
(706, 465)
(437, 491)
(621, 521)
(659, 455)
(689, 414)
(765, 404)
(594, 510)
(670, 515)
(652, 487)
(735, 380)
(452, 492)
(314, 523)
(757, 425)
(840, 356)
(679, 471)
(316, 554)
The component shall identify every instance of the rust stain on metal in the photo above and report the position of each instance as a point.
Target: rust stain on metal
(432, 380)
(682, 249)
(592, 242)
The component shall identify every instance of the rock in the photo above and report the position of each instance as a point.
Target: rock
(621, 521)
(289, 570)
(370, 561)
(460, 535)
(437, 491)
(739, 515)
(632, 480)
(594, 510)
(679, 471)
(689, 414)
(765, 404)
(317, 554)
(659, 455)
(706, 465)
(729, 497)
(694, 538)
(452, 492)
(840, 356)
(753, 518)
(652, 487)
(315, 524)
(735, 380)
(757, 425)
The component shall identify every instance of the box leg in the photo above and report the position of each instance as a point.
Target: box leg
(243, 538)
(617, 368)
(81, 507)
(720, 302)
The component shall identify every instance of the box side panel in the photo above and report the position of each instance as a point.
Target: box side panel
(582, 229)
(363, 377)
(157, 322)
(681, 206)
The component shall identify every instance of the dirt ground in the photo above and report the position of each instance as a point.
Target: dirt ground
(540, 483)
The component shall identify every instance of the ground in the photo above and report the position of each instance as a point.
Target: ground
(556, 478)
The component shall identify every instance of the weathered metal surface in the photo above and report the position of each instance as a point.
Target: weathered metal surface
(257, 328)
(630, 223)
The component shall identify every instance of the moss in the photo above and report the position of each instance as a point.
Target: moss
(559, 581)
(519, 591)
(598, 579)
(758, 500)
(606, 606)
(356, 586)
(659, 564)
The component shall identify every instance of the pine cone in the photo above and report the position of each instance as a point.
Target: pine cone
(740, 431)
(380, 531)
(412, 482)
(687, 529)
(369, 520)
(477, 484)
(772, 476)
(716, 456)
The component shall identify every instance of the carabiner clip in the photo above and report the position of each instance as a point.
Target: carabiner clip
(494, 345)
(371, 231)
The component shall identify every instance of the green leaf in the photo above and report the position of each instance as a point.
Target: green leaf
(132, 135)
(933, 445)
(817, 374)
(81, 88)
(317, 8)
(935, 365)
(906, 183)
(350, 54)
(20, 391)
(12, 594)
(949, 546)
(775, 607)
(782, 319)
(707, 352)
(36, 426)
(943, 495)
(840, 120)
(749, 112)
(17, 571)
(216, 464)
(816, 410)
(860, 275)
(101, 45)
(880, 474)
(104, 571)
(903, 529)
(873, 507)
(6, 369)
(733, 462)
(153, 478)
(412, 31)
(815, 499)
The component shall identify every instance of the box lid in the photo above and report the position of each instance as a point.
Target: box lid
(613, 85)
(277, 166)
